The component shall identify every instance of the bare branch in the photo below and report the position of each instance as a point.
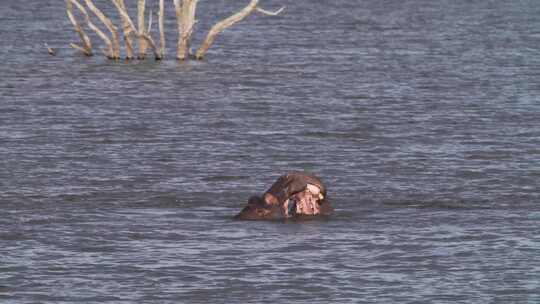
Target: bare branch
(120, 5)
(110, 26)
(161, 28)
(142, 35)
(149, 28)
(109, 53)
(224, 24)
(152, 44)
(86, 49)
(270, 13)
(80, 48)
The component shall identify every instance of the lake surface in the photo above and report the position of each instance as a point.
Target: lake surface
(118, 181)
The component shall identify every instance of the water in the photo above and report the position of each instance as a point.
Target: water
(118, 180)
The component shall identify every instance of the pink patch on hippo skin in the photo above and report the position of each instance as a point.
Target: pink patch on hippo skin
(307, 203)
(316, 191)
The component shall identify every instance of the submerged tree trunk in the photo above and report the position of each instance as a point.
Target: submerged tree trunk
(178, 12)
(126, 29)
(143, 46)
(185, 18)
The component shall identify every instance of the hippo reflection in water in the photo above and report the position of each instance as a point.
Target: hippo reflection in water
(293, 195)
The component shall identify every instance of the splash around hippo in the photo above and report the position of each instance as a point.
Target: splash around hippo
(293, 195)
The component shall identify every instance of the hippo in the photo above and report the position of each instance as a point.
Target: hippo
(293, 195)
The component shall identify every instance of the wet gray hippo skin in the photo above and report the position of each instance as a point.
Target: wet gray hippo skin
(293, 195)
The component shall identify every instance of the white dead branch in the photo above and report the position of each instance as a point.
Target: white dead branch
(110, 26)
(161, 25)
(149, 27)
(270, 13)
(109, 53)
(142, 34)
(228, 22)
(86, 48)
(127, 31)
